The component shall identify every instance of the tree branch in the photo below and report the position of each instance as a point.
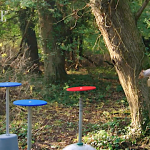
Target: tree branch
(90, 60)
(139, 12)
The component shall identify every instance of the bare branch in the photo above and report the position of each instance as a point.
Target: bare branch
(139, 12)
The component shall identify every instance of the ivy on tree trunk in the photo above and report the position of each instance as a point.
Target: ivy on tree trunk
(51, 36)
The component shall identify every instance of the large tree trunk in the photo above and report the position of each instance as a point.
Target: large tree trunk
(54, 60)
(27, 26)
(117, 25)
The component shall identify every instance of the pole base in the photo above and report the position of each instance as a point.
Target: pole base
(79, 147)
(8, 142)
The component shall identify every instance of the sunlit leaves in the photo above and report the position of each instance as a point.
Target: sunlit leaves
(26, 3)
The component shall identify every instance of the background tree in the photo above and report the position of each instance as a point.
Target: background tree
(25, 17)
(27, 27)
(52, 32)
(118, 27)
(82, 37)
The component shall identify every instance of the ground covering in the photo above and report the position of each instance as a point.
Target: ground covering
(106, 115)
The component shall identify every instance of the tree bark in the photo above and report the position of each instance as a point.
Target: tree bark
(118, 27)
(54, 60)
(29, 37)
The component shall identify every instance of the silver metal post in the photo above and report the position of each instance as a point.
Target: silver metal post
(80, 121)
(29, 135)
(7, 111)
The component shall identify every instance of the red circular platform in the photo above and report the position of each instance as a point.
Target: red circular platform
(81, 88)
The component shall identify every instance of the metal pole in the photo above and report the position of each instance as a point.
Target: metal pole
(7, 111)
(29, 135)
(80, 121)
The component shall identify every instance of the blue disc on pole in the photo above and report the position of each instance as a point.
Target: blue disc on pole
(29, 102)
(9, 84)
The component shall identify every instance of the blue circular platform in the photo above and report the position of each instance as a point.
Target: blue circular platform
(29, 102)
(9, 84)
